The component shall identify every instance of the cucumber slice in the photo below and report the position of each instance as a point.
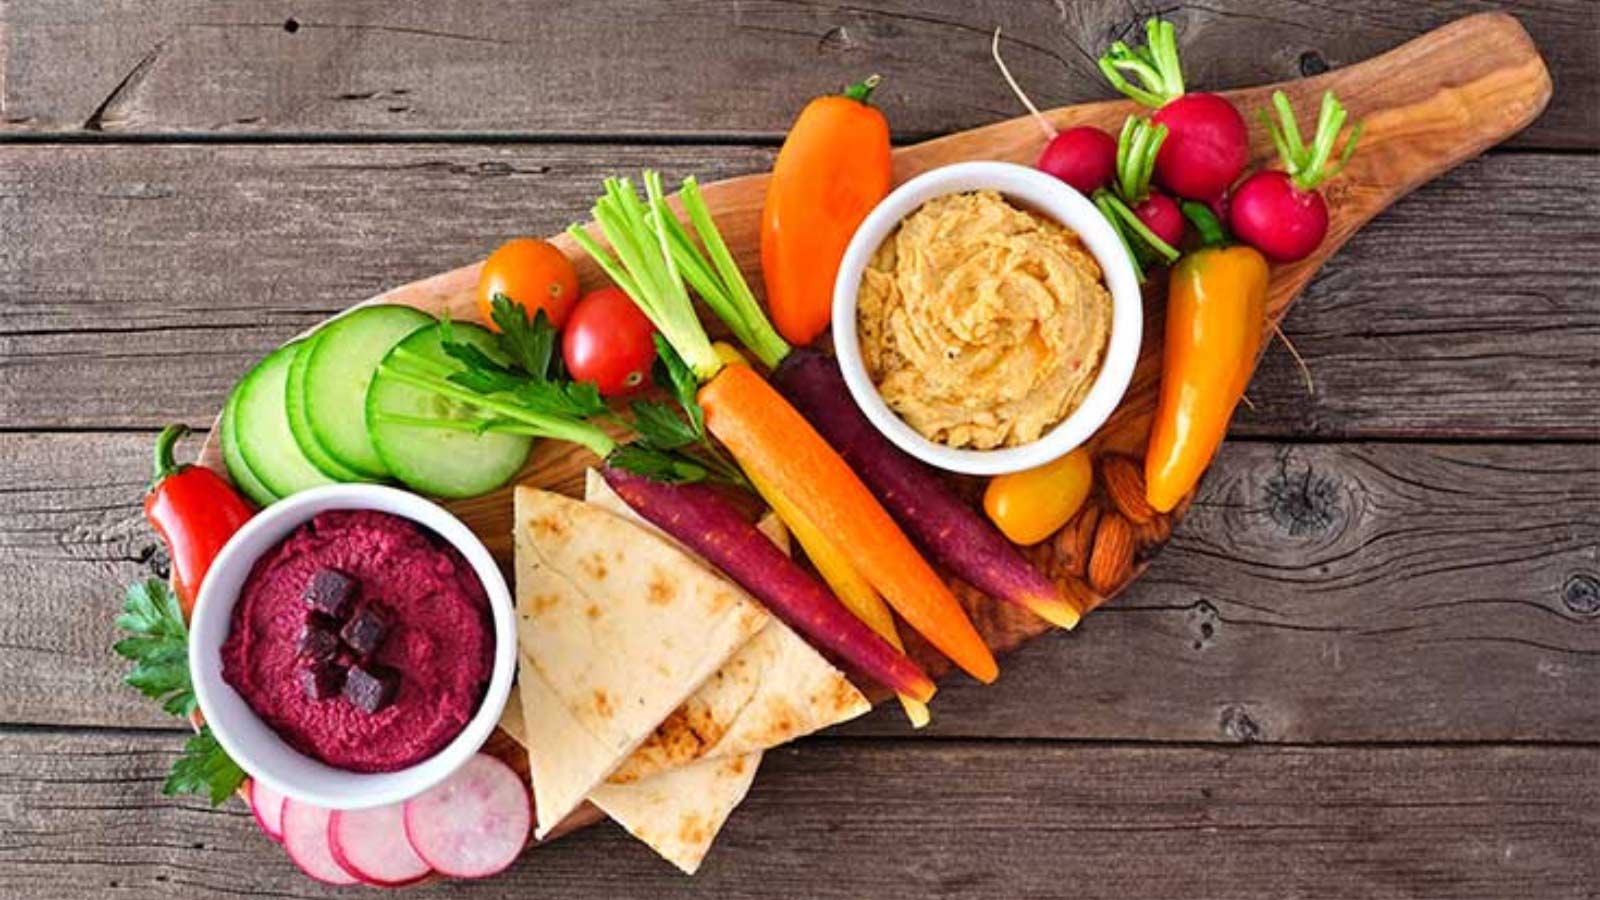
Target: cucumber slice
(338, 372)
(262, 425)
(238, 470)
(439, 459)
(294, 399)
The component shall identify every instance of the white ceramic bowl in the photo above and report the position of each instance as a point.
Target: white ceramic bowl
(250, 741)
(1043, 194)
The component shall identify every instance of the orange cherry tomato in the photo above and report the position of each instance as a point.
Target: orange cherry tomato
(1030, 505)
(531, 273)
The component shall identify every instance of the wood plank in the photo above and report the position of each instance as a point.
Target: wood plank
(381, 67)
(1315, 593)
(83, 817)
(1466, 311)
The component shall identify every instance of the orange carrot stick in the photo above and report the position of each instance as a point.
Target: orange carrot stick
(775, 444)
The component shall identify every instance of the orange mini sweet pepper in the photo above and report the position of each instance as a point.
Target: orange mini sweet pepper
(832, 170)
(1216, 318)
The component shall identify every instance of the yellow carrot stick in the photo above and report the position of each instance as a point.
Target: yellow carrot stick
(852, 590)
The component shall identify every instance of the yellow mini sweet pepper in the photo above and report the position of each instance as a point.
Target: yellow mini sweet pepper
(1216, 319)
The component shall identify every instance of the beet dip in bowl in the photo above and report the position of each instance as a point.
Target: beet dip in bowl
(352, 645)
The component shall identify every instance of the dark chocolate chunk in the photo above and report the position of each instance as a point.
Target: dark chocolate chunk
(370, 688)
(321, 680)
(330, 592)
(319, 638)
(365, 631)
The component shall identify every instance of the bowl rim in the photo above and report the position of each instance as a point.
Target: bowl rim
(251, 742)
(1043, 194)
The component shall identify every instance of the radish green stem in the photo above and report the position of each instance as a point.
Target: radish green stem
(1131, 222)
(1137, 147)
(1155, 66)
(1103, 201)
(578, 432)
(1307, 165)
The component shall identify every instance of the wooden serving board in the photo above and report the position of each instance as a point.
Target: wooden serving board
(1428, 106)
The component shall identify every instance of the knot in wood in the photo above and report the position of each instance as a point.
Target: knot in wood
(1303, 502)
(1581, 594)
(1312, 63)
(1237, 723)
(1204, 618)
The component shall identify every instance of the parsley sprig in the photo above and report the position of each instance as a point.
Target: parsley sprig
(665, 437)
(158, 646)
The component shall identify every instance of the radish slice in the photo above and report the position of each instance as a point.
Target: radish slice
(267, 804)
(371, 845)
(474, 823)
(305, 836)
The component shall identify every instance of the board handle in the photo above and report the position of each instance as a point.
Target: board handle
(1438, 100)
(1426, 106)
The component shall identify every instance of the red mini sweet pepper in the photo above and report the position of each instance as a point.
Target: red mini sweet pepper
(195, 511)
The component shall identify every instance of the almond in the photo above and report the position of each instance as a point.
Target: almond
(1080, 595)
(1111, 561)
(1075, 539)
(1152, 533)
(1124, 484)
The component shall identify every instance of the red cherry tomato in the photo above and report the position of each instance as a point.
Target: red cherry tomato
(610, 342)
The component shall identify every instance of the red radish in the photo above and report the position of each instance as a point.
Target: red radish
(305, 837)
(1084, 157)
(949, 530)
(1161, 215)
(1281, 213)
(371, 845)
(267, 805)
(1148, 221)
(1207, 143)
(705, 521)
(474, 823)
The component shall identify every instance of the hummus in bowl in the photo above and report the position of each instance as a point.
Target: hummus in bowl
(982, 324)
(986, 318)
(416, 656)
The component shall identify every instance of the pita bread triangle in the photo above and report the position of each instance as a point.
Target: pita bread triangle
(774, 689)
(679, 812)
(617, 627)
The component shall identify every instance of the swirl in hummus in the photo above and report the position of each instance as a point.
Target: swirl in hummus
(982, 325)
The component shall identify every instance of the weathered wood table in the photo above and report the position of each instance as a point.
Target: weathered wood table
(1369, 665)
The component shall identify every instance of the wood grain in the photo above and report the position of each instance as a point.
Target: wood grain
(1314, 594)
(847, 819)
(681, 69)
